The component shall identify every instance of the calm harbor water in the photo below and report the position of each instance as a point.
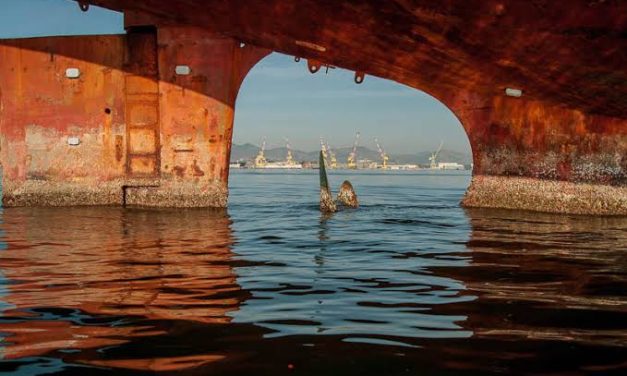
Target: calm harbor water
(410, 283)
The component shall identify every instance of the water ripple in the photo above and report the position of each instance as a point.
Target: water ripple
(408, 283)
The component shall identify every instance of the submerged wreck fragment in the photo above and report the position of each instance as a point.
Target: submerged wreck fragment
(346, 197)
(326, 199)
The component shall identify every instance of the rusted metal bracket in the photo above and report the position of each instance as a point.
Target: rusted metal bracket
(313, 65)
(359, 77)
(84, 5)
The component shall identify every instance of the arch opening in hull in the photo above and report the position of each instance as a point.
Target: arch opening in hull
(285, 115)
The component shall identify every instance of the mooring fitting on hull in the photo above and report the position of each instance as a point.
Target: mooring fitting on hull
(359, 77)
(84, 5)
(313, 65)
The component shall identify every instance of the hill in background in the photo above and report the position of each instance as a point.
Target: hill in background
(247, 152)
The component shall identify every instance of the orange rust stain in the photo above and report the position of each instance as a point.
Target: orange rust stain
(520, 137)
(465, 53)
(142, 104)
(179, 171)
(107, 137)
(119, 148)
(142, 165)
(197, 171)
(37, 94)
(200, 107)
(570, 123)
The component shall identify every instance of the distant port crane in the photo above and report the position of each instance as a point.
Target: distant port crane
(433, 159)
(289, 159)
(260, 159)
(328, 154)
(332, 157)
(323, 148)
(352, 156)
(382, 153)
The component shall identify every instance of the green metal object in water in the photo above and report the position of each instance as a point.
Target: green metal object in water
(324, 182)
(327, 205)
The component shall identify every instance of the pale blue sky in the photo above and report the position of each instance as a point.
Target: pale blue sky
(280, 98)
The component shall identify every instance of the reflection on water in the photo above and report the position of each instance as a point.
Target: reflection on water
(83, 278)
(408, 283)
